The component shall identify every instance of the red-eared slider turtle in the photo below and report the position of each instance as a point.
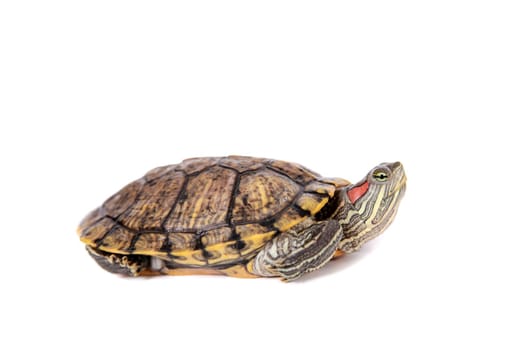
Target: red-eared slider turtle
(239, 216)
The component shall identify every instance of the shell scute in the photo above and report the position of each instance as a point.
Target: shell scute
(216, 236)
(158, 172)
(289, 218)
(88, 221)
(248, 230)
(262, 195)
(182, 241)
(320, 188)
(335, 181)
(123, 199)
(150, 243)
(154, 202)
(222, 253)
(242, 163)
(194, 165)
(205, 202)
(91, 232)
(311, 203)
(296, 172)
(254, 236)
(117, 240)
(207, 211)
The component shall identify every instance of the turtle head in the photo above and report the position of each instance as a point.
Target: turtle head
(372, 204)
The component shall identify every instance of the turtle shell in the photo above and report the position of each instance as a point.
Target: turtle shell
(207, 211)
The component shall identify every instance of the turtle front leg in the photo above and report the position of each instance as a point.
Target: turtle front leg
(294, 253)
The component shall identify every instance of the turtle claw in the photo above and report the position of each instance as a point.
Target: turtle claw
(128, 265)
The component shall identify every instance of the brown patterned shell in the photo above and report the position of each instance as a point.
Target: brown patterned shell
(207, 211)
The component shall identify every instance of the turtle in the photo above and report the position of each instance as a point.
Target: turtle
(239, 216)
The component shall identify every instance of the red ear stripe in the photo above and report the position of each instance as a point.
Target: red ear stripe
(357, 192)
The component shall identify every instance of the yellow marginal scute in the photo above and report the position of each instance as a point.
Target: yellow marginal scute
(150, 244)
(321, 188)
(226, 252)
(311, 202)
(117, 241)
(240, 271)
(216, 236)
(189, 257)
(249, 230)
(249, 266)
(96, 231)
(222, 253)
(182, 241)
(89, 220)
(336, 181)
(191, 271)
(288, 219)
(256, 242)
(255, 236)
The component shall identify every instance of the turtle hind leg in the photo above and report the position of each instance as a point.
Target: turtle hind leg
(129, 265)
(294, 253)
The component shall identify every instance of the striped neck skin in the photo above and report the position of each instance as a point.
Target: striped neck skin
(370, 205)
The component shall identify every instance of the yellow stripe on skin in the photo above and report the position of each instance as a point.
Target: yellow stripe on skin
(377, 202)
(376, 206)
(368, 233)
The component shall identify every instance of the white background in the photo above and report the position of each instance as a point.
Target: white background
(93, 94)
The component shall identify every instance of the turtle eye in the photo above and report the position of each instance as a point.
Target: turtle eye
(380, 175)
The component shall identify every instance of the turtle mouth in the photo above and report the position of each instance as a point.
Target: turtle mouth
(401, 183)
